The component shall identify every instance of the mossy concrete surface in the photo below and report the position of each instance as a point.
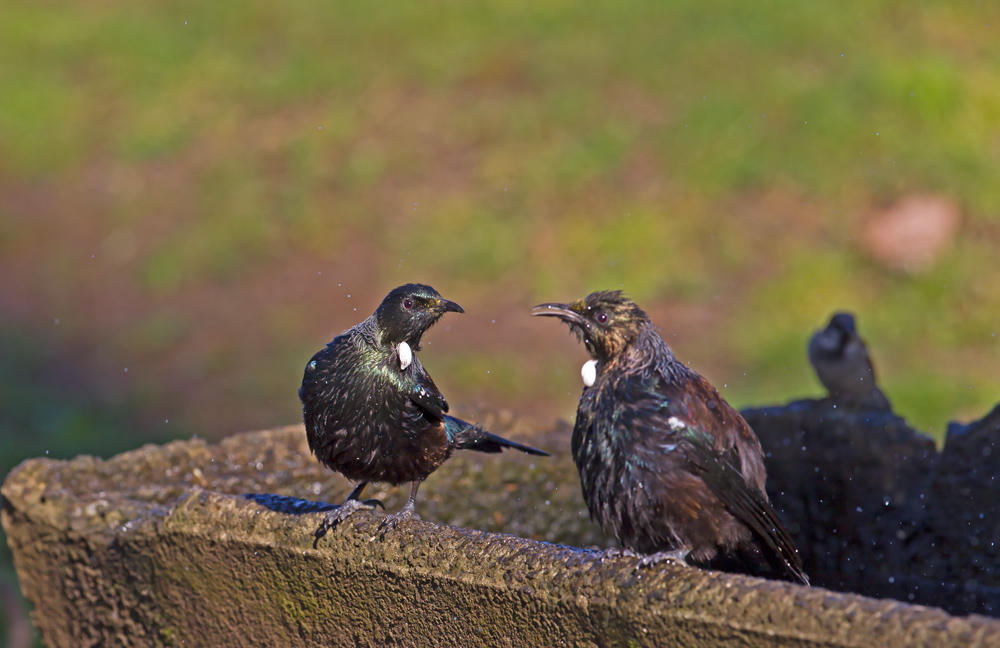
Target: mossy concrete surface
(212, 545)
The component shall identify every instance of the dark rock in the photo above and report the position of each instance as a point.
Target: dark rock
(876, 510)
(957, 539)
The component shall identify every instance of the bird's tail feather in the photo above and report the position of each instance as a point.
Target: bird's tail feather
(467, 436)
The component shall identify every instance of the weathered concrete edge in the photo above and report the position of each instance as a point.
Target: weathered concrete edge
(765, 612)
(211, 568)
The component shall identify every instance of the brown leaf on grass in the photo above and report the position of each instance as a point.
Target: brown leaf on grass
(912, 234)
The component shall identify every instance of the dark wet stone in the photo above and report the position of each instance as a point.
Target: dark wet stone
(957, 540)
(876, 510)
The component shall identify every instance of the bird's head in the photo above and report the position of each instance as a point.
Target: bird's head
(408, 311)
(843, 323)
(606, 321)
(837, 333)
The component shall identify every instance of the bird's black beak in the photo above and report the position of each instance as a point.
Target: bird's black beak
(446, 306)
(562, 311)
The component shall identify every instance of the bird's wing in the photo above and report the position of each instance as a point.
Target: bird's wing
(696, 403)
(693, 417)
(427, 396)
(747, 504)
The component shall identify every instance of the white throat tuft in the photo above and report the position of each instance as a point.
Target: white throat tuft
(589, 372)
(405, 355)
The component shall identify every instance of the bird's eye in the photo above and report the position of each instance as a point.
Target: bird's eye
(602, 318)
(407, 303)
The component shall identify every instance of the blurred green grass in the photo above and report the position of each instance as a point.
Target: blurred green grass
(161, 163)
(555, 146)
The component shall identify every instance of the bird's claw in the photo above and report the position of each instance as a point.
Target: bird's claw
(618, 552)
(391, 521)
(677, 556)
(341, 513)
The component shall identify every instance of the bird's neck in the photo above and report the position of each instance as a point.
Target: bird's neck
(646, 352)
(368, 329)
(367, 333)
(389, 342)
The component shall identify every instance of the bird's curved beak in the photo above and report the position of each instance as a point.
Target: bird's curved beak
(562, 311)
(446, 306)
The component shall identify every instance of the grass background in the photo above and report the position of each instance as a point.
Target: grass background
(196, 196)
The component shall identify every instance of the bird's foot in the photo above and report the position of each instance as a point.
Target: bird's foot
(676, 556)
(341, 513)
(618, 552)
(391, 521)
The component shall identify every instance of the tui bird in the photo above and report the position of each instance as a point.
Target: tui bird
(842, 364)
(373, 413)
(665, 463)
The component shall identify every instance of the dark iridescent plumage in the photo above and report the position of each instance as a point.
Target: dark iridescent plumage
(843, 365)
(374, 414)
(665, 463)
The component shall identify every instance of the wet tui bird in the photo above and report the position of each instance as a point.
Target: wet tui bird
(842, 364)
(665, 463)
(373, 413)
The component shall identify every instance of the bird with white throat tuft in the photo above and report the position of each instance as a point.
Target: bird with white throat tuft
(373, 420)
(405, 355)
(589, 372)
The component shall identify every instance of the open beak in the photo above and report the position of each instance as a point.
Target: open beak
(446, 306)
(562, 311)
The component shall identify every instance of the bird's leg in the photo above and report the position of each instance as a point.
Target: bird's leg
(676, 556)
(351, 505)
(405, 513)
(356, 495)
